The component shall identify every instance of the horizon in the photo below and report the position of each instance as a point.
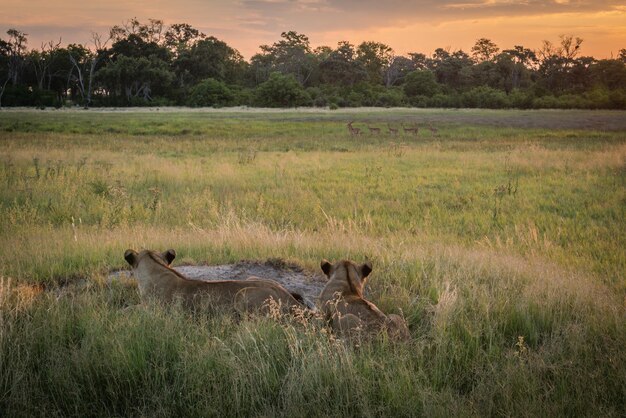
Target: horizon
(412, 26)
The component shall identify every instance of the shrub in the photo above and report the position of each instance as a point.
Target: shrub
(368, 93)
(573, 101)
(598, 99)
(355, 99)
(421, 83)
(392, 97)
(21, 95)
(210, 92)
(281, 91)
(243, 96)
(484, 97)
(521, 99)
(419, 101)
(617, 99)
(445, 100)
(318, 99)
(545, 102)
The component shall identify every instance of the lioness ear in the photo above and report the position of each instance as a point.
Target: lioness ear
(131, 257)
(366, 269)
(169, 256)
(326, 266)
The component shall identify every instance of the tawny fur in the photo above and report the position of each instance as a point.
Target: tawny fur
(344, 306)
(157, 281)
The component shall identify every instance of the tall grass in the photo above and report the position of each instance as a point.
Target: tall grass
(503, 248)
(490, 337)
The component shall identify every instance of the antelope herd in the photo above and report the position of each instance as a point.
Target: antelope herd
(407, 129)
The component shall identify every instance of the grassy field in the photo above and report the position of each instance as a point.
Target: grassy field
(501, 239)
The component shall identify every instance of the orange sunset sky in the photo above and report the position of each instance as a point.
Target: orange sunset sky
(407, 26)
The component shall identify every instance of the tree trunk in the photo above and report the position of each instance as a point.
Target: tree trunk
(92, 70)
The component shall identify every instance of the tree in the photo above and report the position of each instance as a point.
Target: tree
(55, 78)
(341, 67)
(440, 54)
(5, 49)
(60, 69)
(291, 55)
(210, 92)
(514, 67)
(138, 62)
(557, 61)
(322, 52)
(42, 61)
(487, 73)
(261, 67)
(181, 36)
(180, 63)
(484, 50)
(136, 77)
(395, 73)
(521, 55)
(553, 73)
(375, 57)
(14, 50)
(609, 73)
(137, 46)
(568, 48)
(452, 69)
(85, 63)
(80, 59)
(421, 61)
(151, 32)
(209, 58)
(579, 78)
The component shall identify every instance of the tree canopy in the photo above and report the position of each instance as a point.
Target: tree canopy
(151, 63)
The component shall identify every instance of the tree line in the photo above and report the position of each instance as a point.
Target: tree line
(153, 64)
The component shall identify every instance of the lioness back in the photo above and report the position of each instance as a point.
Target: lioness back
(345, 307)
(156, 280)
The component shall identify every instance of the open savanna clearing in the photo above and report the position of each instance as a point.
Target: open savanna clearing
(499, 235)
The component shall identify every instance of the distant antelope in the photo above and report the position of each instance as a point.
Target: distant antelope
(433, 130)
(373, 130)
(392, 131)
(353, 131)
(414, 130)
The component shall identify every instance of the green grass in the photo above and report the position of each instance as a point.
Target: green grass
(500, 240)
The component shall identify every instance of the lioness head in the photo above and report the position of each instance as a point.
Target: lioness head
(133, 257)
(348, 272)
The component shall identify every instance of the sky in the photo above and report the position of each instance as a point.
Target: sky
(405, 25)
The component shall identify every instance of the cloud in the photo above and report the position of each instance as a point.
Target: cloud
(353, 14)
(246, 24)
(423, 22)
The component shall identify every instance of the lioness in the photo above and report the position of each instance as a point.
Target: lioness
(345, 307)
(159, 282)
